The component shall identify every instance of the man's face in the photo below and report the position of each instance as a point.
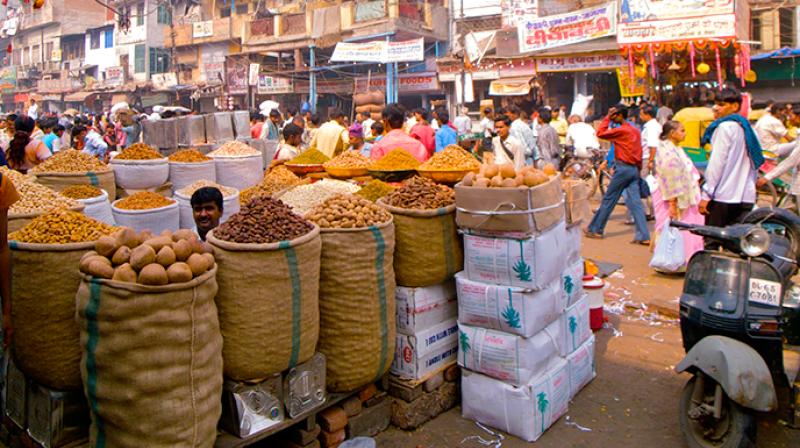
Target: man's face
(276, 119)
(723, 109)
(206, 216)
(356, 141)
(501, 128)
(616, 117)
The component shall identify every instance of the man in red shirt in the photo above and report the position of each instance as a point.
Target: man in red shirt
(627, 163)
(423, 131)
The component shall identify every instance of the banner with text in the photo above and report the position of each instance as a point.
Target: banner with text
(580, 63)
(630, 87)
(271, 85)
(653, 31)
(570, 28)
(518, 11)
(640, 10)
(380, 51)
(417, 82)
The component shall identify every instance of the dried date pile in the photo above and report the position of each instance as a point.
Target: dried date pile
(263, 220)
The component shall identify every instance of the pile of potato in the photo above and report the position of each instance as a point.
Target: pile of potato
(150, 260)
(505, 176)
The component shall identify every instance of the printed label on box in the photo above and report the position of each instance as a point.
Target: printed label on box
(575, 324)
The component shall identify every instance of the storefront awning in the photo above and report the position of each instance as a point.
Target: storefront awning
(77, 97)
(510, 86)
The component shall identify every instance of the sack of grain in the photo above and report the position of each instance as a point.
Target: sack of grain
(98, 208)
(428, 249)
(239, 172)
(230, 205)
(140, 174)
(270, 321)
(183, 174)
(356, 304)
(151, 362)
(156, 220)
(46, 339)
(104, 180)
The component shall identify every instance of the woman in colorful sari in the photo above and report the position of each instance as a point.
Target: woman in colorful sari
(678, 193)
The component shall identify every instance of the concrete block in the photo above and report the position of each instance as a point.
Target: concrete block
(331, 439)
(301, 436)
(403, 391)
(452, 373)
(332, 419)
(372, 420)
(352, 406)
(433, 383)
(411, 415)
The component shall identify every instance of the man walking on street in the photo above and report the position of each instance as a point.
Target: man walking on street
(729, 190)
(627, 164)
(523, 133)
(549, 146)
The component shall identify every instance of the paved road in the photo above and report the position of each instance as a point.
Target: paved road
(634, 399)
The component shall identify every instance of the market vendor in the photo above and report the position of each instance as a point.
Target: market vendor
(206, 209)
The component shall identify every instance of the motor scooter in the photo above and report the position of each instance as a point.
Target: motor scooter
(740, 323)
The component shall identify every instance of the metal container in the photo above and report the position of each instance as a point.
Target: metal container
(16, 395)
(251, 408)
(151, 133)
(241, 123)
(169, 127)
(219, 127)
(304, 386)
(191, 130)
(56, 418)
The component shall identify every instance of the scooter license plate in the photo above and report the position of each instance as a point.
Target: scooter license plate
(765, 292)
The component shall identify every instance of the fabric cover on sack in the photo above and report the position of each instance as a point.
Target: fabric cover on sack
(140, 174)
(103, 180)
(156, 220)
(239, 172)
(183, 174)
(99, 208)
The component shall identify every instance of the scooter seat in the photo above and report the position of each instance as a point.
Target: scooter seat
(791, 362)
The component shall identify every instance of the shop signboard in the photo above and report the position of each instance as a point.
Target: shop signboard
(252, 74)
(670, 30)
(565, 29)
(518, 11)
(646, 10)
(272, 85)
(417, 82)
(380, 51)
(236, 69)
(342, 87)
(8, 78)
(203, 29)
(627, 88)
(114, 76)
(580, 63)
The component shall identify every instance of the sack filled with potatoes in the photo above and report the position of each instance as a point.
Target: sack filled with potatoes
(505, 176)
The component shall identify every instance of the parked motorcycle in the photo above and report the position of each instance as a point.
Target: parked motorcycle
(740, 322)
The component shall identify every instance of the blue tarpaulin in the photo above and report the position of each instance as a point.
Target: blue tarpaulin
(784, 52)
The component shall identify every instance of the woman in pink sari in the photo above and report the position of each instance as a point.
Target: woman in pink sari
(678, 193)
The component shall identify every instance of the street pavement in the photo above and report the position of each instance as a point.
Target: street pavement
(633, 401)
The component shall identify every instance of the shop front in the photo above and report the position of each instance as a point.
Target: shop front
(415, 89)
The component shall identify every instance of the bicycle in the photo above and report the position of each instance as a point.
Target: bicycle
(584, 169)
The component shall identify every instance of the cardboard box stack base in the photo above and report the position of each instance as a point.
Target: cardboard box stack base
(525, 345)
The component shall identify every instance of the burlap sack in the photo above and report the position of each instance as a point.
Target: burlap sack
(268, 304)
(17, 221)
(428, 249)
(356, 305)
(151, 362)
(103, 180)
(46, 344)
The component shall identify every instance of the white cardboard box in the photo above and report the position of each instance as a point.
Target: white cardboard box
(513, 310)
(573, 242)
(421, 308)
(581, 367)
(425, 352)
(509, 357)
(526, 411)
(575, 325)
(572, 281)
(530, 263)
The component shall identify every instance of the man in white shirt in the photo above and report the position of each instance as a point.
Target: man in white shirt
(487, 123)
(33, 110)
(365, 120)
(505, 147)
(582, 137)
(463, 123)
(770, 130)
(522, 132)
(729, 190)
(651, 136)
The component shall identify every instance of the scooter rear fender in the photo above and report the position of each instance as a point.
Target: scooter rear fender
(740, 370)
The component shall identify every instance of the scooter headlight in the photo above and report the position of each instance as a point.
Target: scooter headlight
(755, 242)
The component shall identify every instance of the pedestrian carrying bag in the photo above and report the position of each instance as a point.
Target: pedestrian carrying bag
(669, 255)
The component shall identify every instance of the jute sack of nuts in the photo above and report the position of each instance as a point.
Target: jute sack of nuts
(428, 249)
(43, 284)
(151, 362)
(270, 321)
(103, 180)
(356, 304)
(17, 221)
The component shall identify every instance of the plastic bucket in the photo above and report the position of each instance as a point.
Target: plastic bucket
(594, 287)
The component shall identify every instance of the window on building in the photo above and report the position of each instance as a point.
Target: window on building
(48, 51)
(225, 12)
(140, 14)
(159, 60)
(164, 15)
(17, 54)
(109, 41)
(94, 39)
(139, 59)
(36, 54)
(242, 7)
(755, 27)
(787, 27)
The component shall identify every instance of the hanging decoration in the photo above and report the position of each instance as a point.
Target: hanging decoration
(691, 58)
(703, 68)
(652, 61)
(631, 76)
(750, 76)
(719, 67)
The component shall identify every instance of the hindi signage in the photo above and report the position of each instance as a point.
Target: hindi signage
(114, 76)
(271, 85)
(579, 63)
(564, 29)
(646, 10)
(518, 11)
(380, 51)
(652, 31)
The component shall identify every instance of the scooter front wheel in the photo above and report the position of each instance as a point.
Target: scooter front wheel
(735, 426)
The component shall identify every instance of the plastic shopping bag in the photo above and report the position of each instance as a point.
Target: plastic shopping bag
(668, 255)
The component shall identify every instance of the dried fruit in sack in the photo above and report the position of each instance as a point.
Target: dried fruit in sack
(143, 200)
(81, 192)
(234, 149)
(189, 190)
(397, 159)
(263, 220)
(304, 197)
(375, 190)
(310, 156)
(70, 161)
(278, 179)
(139, 151)
(15, 176)
(346, 211)
(452, 158)
(188, 156)
(61, 227)
(35, 198)
(422, 194)
(348, 159)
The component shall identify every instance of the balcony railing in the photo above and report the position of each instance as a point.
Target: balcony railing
(293, 24)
